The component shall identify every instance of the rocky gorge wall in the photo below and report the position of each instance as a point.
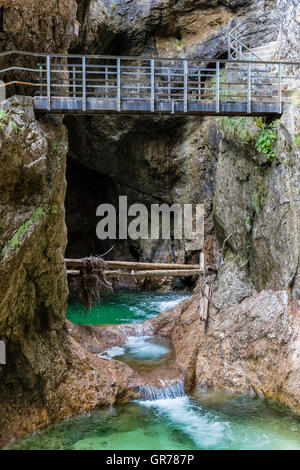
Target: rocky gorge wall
(48, 375)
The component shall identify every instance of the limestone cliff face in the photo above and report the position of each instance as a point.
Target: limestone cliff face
(251, 348)
(38, 26)
(48, 376)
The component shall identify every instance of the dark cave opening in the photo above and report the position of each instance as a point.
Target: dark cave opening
(86, 190)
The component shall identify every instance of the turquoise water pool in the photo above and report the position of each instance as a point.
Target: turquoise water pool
(124, 307)
(207, 420)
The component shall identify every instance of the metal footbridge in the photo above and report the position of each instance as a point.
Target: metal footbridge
(86, 84)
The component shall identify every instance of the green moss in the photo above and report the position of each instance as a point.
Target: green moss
(15, 240)
(57, 147)
(297, 139)
(238, 127)
(259, 195)
(53, 209)
(178, 42)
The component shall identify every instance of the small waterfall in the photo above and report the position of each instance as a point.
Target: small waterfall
(148, 393)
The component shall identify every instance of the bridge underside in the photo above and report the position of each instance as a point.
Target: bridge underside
(71, 105)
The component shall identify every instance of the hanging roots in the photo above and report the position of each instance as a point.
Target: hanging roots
(92, 280)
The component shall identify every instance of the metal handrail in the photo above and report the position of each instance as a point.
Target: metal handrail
(125, 84)
(246, 47)
(235, 38)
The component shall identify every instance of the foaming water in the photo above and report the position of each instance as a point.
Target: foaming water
(205, 430)
(166, 392)
(210, 421)
(125, 307)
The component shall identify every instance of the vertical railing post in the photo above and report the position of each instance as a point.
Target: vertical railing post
(249, 88)
(74, 81)
(152, 85)
(41, 79)
(217, 87)
(118, 84)
(106, 82)
(199, 85)
(279, 89)
(138, 77)
(185, 85)
(169, 84)
(83, 83)
(48, 83)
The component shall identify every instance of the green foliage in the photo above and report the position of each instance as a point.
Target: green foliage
(14, 126)
(265, 141)
(3, 118)
(178, 42)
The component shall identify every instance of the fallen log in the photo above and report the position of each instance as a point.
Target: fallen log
(135, 265)
(155, 273)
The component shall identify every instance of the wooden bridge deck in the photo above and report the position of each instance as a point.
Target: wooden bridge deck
(107, 84)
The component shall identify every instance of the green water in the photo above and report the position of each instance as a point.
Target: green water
(124, 307)
(207, 420)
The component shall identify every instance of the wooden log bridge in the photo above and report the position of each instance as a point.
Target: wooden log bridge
(121, 269)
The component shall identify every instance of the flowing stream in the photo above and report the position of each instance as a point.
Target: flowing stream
(165, 418)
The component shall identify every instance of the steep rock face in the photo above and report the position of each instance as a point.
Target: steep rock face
(44, 26)
(252, 348)
(168, 27)
(48, 376)
(256, 203)
(289, 36)
(161, 158)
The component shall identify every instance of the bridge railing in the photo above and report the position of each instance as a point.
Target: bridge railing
(79, 83)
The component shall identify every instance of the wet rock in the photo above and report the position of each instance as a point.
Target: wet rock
(48, 376)
(252, 347)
